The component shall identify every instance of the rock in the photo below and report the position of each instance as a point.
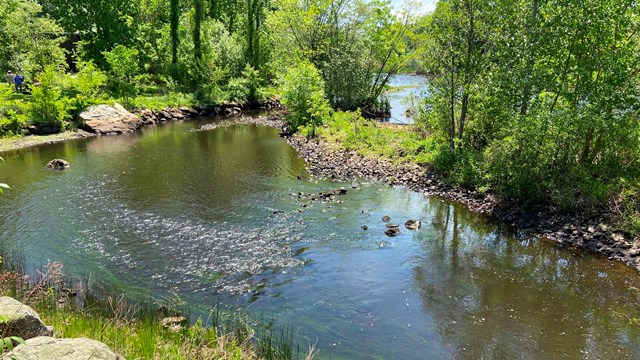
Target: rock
(23, 321)
(175, 323)
(386, 218)
(301, 177)
(413, 224)
(389, 226)
(105, 119)
(394, 231)
(58, 164)
(45, 348)
(364, 227)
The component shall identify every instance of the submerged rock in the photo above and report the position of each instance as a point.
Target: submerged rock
(364, 227)
(389, 226)
(386, 218)
(58, 164)
(413, 224)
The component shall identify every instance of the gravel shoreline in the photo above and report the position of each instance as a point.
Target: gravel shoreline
(593, 233)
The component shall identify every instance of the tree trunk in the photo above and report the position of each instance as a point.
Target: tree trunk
(197, 43)
(175, 17)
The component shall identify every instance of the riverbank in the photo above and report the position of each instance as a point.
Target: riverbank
(596, 232)
(139, 329)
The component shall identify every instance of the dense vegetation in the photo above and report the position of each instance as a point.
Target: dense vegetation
(537, 100)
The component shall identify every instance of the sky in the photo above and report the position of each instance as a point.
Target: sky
(427, 5)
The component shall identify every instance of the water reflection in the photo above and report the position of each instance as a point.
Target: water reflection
(497, 297)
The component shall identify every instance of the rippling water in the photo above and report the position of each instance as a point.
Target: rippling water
(218, 217)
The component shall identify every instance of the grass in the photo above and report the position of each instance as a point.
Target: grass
(399, 143)
(135, 331)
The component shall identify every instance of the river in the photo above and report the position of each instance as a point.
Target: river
(216, 217)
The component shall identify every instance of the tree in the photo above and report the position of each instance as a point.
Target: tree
(32, 41)
(455, 66)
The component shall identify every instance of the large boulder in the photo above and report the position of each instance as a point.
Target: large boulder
(23, 321)
(48, 348)
(105, 119)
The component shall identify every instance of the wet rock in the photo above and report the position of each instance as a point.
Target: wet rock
(58, 164)
(364, 227)
(45, 348)
(386, 218)
(394, 231)
(389, 226)
(413, 224)
(23, 321)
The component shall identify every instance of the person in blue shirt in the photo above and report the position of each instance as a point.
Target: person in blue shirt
(19, 80)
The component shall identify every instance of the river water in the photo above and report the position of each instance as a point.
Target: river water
(404, 95)
(215, 217)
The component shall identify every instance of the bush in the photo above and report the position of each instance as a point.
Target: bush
(303, 95)
(47, 106)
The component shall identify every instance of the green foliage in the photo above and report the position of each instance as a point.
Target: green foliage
(7, 342)
(30, 41)
(47, 106)
(123, 64)
(303, 94)
(356, 46)
(535, 100)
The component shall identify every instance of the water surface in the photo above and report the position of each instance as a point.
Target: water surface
(216, 217)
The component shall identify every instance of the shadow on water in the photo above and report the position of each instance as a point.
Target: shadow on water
(216, 217)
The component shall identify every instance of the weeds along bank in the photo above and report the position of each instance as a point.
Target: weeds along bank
(145, 329)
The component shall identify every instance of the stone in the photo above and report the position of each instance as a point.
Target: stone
(23, 321)
(175, 323)
(386, 218)
(389, 226)
(394, 231)
(412, 224)
(105, 119)
(364, 227)
(58, 164)
(48, 348)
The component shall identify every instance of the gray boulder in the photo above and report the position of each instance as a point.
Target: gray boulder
(23, 321)
(47, 348)
(106, 119)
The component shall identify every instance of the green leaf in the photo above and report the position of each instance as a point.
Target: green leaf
(9, 343)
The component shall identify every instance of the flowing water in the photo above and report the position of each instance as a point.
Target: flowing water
(216, 217)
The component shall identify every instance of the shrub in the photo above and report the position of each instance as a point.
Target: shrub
(47, 105)
(303, 95)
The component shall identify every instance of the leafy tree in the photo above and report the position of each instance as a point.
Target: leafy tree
(31, 41)
(123, 62)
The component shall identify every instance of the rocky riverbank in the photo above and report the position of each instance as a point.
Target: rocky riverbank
(593, 232)
(113, 120)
